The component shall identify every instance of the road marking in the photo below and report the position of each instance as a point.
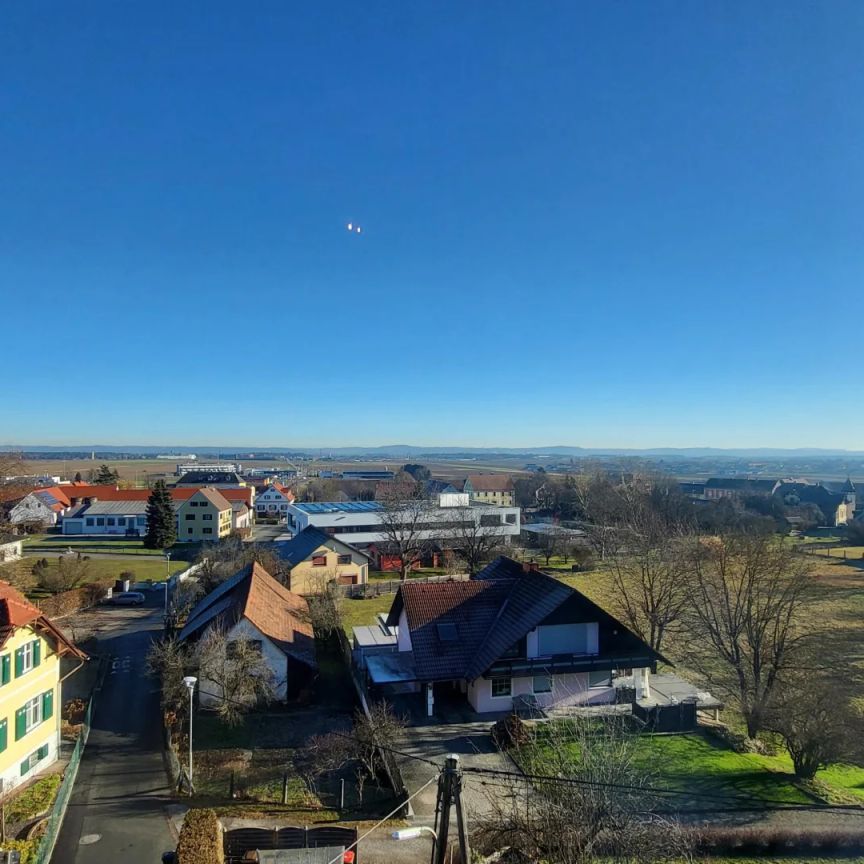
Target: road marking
(90, 839)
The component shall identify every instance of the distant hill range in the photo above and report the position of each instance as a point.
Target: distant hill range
(398, 451)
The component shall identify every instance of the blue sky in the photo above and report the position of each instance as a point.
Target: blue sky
(600, 224)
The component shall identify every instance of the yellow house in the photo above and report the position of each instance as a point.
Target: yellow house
(313, 558)
(206, 515)
(494, 489)
(29, 688)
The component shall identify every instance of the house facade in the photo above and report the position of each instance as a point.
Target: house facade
(206, 515)
(252, 606)
(30, 698)
(494, 489)
(10, 550)
(313, 559)
(40, 507)
(507, 637)
(274, 501)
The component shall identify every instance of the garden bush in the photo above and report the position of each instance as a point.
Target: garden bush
(200, 839)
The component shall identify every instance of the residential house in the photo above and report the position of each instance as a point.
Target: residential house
(253, 606)
(30, 698)
(125, 513)
(836, 501)
(508, 636)
(41, 507)
(314, 558)
(490, 489)
(274, 501)
(206, 515)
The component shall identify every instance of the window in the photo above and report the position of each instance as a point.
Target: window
(511, 518)
(501, 687)
(344, 559)
(319, 560)
(33, 713)
(110, 520)
(600, 678)
(490, 521)
(190, 517)
(121, 522)
(188, 530)
(27, 657)
(34, 759)
(207, 517)
(542, 684)
(100, 520)
(207, 530)
(231, 648)
(90, 521)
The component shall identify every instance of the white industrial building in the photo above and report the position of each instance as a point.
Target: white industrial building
(359, 522)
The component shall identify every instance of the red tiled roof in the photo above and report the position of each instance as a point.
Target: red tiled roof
(17, 611)
(281, 615)
(64, 494)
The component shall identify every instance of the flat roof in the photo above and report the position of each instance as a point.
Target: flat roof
(391, 668)
(549, 527)
(368, 636)
(320, 507)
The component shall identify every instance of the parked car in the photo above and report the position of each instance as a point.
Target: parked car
(127, 598)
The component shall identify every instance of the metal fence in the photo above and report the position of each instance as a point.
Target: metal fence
(55, 819)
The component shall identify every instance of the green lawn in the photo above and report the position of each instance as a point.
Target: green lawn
(701, 764)
(848, 778)
(99, 569)
(358, 612)
(103, 546)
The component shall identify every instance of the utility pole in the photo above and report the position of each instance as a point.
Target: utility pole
(450, 792)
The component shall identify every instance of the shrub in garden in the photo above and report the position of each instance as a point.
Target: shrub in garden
(200, 839)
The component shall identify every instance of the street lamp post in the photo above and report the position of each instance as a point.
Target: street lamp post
(167, 578)
(190, 681)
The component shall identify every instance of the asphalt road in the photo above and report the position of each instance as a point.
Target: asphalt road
(117, 811)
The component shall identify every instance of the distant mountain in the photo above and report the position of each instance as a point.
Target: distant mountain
(396, 451)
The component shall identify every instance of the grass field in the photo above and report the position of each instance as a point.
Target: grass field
(358, 612)
(101, 545)
(20, 572)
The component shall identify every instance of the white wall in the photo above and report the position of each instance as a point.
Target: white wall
(276, 661)
(570, 689)
(403, 637)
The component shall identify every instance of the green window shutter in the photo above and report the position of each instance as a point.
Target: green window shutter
(4, 734)
(25, 766)
(47, 705)
(19, 662)
(20, 723)
(5, 669)
(37, 652)
(42, 752)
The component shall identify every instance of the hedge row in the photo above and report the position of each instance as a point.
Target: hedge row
(67, 602)
(757, 841)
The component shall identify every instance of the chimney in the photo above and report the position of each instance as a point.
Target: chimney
(530, 566)
(90, 500)
(74, 501)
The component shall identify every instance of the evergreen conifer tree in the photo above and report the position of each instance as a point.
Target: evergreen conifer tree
(161, 519)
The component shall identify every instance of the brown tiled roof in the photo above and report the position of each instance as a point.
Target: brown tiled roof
(17, 611)
(491, 482)
(282, 616)
(215, 497)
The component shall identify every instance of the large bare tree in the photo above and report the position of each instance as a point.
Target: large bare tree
(746, 618)
(589, 800)
(476, 540)
(406, 511)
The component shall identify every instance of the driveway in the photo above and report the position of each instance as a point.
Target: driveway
(117, 811)
(471, 742)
